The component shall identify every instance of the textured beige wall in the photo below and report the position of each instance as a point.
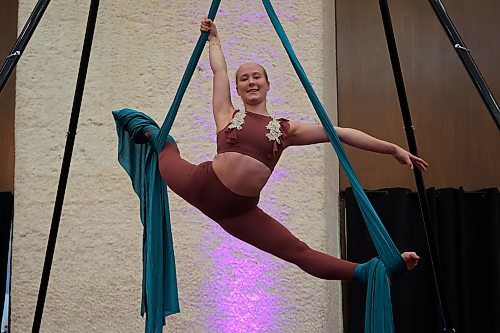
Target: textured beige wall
(139, 54)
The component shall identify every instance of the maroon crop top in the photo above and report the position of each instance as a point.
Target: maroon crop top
(255, 135)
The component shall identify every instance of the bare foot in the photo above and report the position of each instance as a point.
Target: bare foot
(410, 259)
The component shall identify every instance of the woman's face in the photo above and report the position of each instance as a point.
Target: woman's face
(252, 83)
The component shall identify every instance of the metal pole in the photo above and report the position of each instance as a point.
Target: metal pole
(465, 55)
(412, 145)
(21, 42)
(70, 140)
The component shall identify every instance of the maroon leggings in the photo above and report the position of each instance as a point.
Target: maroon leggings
(240, 216)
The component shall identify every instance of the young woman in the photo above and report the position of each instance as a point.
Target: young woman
(249, 144)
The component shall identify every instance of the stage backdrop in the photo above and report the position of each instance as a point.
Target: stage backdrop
(466, 228)
(8, 27)
(6, 210)
(455, 132)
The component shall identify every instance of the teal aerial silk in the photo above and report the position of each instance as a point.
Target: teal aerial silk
(377, 272)
(140, 160)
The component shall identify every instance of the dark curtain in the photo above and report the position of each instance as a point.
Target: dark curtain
(466, 228)
(6, 210)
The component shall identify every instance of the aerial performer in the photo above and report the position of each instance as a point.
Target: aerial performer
(249, 144)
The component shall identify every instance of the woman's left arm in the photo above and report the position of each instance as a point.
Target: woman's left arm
(305, 134)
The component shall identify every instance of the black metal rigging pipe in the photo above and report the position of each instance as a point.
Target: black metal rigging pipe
(412, 145)
(466, 57)
(68, 151)
(21, 42)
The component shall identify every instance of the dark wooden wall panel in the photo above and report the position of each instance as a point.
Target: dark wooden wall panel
(8, 28)
(455, 132)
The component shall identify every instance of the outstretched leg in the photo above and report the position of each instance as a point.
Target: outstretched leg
(176, 171)
(262, 231)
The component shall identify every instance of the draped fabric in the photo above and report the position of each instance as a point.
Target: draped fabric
(139, 158)
(466, 228)
(140, 161)
(378, 317)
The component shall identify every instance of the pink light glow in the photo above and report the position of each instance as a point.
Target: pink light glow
(242, 285)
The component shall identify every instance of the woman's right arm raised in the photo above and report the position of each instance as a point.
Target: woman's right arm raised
(222, 106)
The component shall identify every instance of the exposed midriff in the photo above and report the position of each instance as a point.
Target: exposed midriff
(242, 174)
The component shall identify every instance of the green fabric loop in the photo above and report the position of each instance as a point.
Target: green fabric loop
(386, 249)
(374, 275)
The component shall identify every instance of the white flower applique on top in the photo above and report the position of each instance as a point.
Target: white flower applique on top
(274, 128)
(237, 121)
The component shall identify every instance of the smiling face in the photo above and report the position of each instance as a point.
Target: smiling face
(252, 83)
